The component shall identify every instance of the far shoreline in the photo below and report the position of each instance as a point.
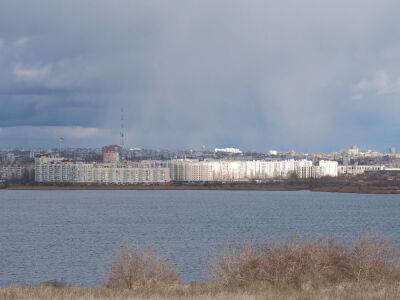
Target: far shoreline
(330, 185)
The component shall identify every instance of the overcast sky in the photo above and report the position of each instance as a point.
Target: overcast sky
(304, 75)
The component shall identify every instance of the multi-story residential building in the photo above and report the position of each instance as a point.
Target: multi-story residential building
(16, 172)
(353, 170)
(126, 174)
(45, 167)
(56, 169)
(309, 172)
(233, 170)
(190, 170)
(324, 169)
(329, 168)
(111, 154)
(228, 150)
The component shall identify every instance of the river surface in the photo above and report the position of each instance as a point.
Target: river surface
(72, 236)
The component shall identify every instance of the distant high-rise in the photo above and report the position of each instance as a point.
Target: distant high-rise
(111, 154)
(228, 150)
(353, 151)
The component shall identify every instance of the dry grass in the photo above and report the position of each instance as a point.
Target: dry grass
(356, 291)
(324, 269)
(298, 264)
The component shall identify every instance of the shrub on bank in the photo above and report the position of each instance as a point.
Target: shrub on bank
(138, 268)
(308, 263)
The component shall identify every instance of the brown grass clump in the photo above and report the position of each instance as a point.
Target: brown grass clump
(141, 268)
(301, 264)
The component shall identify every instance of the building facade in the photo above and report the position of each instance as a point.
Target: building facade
(233, 170)
(16, 172)
(111, 154)
(325, 168)
(353, 170)
(58, 170)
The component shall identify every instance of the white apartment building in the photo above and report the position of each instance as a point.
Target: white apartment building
(325, 168)
(233, 170)
(329, 168)
(190, 170)
(228, 150)
(358, 169)
(55, 169)
(309, 172)
(126, 174)
(16, 171)
(58, 170)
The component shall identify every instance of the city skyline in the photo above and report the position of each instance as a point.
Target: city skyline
(212, 148)
(54, 144)
(262, 75)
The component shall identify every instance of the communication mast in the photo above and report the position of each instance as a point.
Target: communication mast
(60, 141)
(122, 130)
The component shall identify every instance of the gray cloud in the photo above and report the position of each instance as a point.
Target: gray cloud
(259, 74)
(379, 85)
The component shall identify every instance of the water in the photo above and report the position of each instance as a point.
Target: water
(72, 236)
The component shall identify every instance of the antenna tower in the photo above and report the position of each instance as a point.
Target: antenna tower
(60, 140)
(122, 131)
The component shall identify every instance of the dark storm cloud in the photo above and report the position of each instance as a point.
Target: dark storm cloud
(42, 111)
(256, 74)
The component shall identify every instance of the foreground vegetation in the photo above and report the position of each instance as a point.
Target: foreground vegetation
(323, 269)
(345, 291)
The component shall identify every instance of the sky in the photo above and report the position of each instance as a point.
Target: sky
(307, 75)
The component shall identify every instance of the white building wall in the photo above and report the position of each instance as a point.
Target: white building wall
(325, 168)
(329, 168)
(58, 170)
(227, 170)
(358, 169)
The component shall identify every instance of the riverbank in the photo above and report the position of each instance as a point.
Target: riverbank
(172, 186)
(361, 185)
(322, 269)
